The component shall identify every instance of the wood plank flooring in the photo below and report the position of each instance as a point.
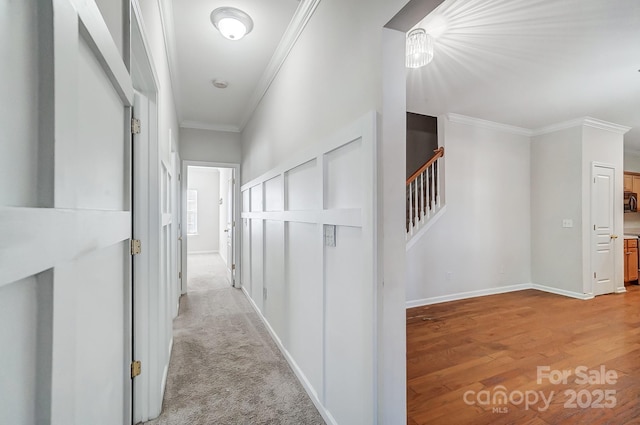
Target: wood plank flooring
(462, 354)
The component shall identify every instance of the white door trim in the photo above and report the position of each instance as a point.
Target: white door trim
(146, 218)
(236, 215)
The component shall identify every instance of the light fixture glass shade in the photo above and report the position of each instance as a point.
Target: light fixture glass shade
(419, 48)
(231, 28)
(232, 23)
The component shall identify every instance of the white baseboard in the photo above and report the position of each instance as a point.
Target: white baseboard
(465, 295)
(202, 252)
(165, 372)
(494, 291)
(328, 418)
(564, 292)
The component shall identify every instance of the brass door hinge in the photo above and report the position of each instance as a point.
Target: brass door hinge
(136, 247)
(136, 368)
(135, 126)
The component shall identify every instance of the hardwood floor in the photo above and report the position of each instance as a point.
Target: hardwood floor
(465, 350)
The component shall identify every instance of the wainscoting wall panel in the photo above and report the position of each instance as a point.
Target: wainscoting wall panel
(310, 226)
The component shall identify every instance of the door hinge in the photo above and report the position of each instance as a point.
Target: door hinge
(233, 267)
(264, 293)
(135, 126)
(136, 368)
(179, 275)
(594, 275)
(136, 246)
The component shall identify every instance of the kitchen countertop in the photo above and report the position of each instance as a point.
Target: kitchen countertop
(627, 236)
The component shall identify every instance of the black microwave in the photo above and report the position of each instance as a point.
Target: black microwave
(630, 202)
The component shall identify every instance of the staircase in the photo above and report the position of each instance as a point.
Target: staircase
(423, 194)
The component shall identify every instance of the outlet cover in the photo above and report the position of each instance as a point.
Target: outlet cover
(329, 235)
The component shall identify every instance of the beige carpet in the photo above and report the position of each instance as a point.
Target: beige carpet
(225, 369)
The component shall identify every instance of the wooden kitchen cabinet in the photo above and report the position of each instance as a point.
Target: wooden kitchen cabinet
(632, 182)
(628, 182)
(630, 260)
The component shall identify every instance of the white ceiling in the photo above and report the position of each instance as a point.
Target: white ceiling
(200, 54)
(533, 63)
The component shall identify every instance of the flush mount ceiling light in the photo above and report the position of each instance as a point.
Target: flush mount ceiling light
(221, 84)
(231, 22)
(419, 48)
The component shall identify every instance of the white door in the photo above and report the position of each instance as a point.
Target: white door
(230, 231)
(603, 231)
(65, 222)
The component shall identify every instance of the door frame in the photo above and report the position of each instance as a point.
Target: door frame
(146, 194)
(590, 287)
(236, 215)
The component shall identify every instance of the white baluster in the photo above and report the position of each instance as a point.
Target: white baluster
(422, 197)
(410, 210)
(415, 190)
(438, 181)
(433, 187)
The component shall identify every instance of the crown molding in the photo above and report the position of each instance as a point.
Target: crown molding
(605, 125)
(168, 31)
(292, 33)
(477, 122)
(212, 127)
(579, 122)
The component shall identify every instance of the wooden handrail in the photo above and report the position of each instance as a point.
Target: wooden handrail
(439, 153)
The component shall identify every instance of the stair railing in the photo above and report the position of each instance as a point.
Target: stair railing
(423, 193)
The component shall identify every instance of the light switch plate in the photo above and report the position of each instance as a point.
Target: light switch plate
(567, 222)
(329, 235)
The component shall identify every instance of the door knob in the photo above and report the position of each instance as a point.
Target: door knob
(614, 236)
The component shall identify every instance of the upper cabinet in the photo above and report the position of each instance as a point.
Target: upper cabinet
(632, 182)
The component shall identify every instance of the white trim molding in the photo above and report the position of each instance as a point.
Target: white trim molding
(469, 294)
(477, 122)
(329, 419)
(494, 291)
(583, 121)
(168, 31)
(213, 127)
(292, 33)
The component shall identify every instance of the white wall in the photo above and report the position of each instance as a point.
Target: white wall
(209, 145)
(225, 175)
(318, 300)
(207, 182)
(483, 240)
(561, 189)
(556, 194)
(632, 162)
(603, 146)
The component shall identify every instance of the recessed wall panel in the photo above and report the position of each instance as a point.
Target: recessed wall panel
(273, 194)
(99, 288)
(19, 87)
(344, 176)
(246, 200)
(276, 306)
(256, 198)
(305, 295)
(91, 167)
(18, 355)
(246, 255)
(303, 188)
(349, 330)
(257, 260)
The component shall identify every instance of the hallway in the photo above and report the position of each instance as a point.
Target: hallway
(225, 369)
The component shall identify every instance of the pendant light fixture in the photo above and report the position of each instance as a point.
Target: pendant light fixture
(232, 23)
(419, 48)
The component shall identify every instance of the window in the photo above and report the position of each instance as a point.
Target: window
(192, 212)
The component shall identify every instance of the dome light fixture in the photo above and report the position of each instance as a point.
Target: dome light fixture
(419, 48)
(232, 23)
